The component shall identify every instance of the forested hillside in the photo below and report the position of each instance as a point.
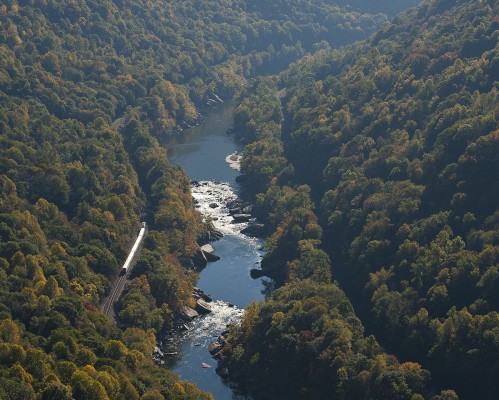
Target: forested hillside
(71, 199)
(86, 87)
(85, 59)
(396, 140)
(305, 341)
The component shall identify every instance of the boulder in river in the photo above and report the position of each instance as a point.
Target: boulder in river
(236, 203)
(158, 351)
(214, 234)
(254, 230)
(202, 307)
(247, 209)
(208, 253)
(214, 348)
(213, 205)
(190, 313)
(199, 294)
(241, 217)
(207, 248)
(212, 257)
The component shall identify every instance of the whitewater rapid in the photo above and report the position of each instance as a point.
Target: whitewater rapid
(212, 198)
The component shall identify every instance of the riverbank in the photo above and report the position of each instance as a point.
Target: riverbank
(202, 152)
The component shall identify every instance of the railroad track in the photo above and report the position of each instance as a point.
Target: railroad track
(107, 307)
(119, 283)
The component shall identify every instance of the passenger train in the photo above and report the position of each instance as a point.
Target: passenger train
(135, 247)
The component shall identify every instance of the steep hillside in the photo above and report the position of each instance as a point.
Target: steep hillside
(85, 88)
(70, 202)
(305, 341)
(397, 137)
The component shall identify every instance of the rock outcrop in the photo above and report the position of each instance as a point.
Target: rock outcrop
(202, 307)
(189, 313)
(209, 253)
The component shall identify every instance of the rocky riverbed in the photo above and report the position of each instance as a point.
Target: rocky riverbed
(225, 287)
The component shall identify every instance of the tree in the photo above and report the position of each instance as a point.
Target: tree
(86, 388)
(115, 349)
(56, 391)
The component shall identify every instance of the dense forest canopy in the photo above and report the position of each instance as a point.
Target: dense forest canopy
(395, 139)
(86, 87)
(375, 166)
(88, 58)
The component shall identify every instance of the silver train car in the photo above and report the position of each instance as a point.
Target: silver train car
(135, 247)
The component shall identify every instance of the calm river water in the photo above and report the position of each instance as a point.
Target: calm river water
(202, 152)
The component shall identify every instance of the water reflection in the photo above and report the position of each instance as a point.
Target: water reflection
(206, 146)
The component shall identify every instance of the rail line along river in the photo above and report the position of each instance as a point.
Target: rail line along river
(202, 151)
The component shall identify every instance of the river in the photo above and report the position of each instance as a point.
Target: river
(202, 152)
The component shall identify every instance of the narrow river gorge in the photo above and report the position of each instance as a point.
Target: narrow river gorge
(202, 151)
